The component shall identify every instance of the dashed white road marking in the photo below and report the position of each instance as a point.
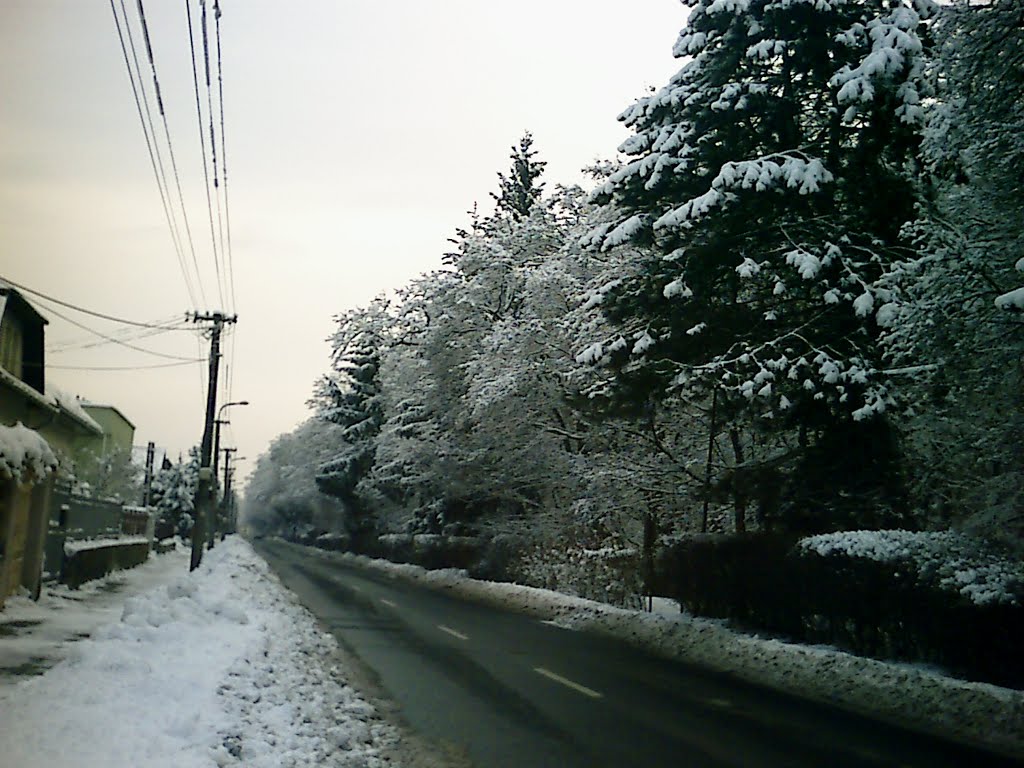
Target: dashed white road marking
(568, 683)
(452, 632)
(388, 603)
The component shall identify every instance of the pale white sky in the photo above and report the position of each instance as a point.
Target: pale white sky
(359, 132)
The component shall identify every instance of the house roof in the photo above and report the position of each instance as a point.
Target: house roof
(23, 305)
(72, 407)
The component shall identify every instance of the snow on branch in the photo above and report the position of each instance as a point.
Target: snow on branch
(772, 172)
(1012, 301)
(895, 54)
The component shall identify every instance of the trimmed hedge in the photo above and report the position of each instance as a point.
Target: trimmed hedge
(864, 606)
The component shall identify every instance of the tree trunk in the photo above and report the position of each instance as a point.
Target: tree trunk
(739, 490)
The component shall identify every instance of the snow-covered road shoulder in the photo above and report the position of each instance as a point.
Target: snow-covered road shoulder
(914, 696)
(221, 667)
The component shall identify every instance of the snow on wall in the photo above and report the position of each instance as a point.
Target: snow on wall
(24, 454)
(73, 547)
(950, 560)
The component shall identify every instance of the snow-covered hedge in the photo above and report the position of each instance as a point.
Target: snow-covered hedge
(946, 559)
(24, 454)
(931, 598)
(608, 574)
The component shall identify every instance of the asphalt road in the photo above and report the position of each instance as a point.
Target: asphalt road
(514, 691)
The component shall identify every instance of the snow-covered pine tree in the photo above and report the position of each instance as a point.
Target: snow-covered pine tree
(764, 192)
(173, 494)
(350, 397)
(521, 189)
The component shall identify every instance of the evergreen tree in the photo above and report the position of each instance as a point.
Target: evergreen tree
(350, 397)
(173, 494)
(762, 202)
(520, 191)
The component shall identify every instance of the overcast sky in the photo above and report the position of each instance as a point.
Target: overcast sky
(359, 132)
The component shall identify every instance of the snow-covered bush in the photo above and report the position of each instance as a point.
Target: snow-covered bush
(24, 454)
(946, 559)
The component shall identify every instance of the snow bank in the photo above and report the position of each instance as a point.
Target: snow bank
(24, 454)
(219, 668)
(915, 696)
(946, 559)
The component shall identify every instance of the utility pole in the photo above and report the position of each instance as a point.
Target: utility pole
(229, 509)
(217, 424)
(204, 493)
(150, 453)
(215, 506)
(222, 506)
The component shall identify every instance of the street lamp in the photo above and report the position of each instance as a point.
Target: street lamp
(216, 432)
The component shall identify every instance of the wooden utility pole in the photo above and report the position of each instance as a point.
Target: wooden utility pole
(229, 502)
(221, 507)
(204, 493)
(215, 506)
(148, 485)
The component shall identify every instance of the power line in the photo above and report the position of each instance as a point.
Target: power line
(124, 367)
(224, 159)
(155, 159)
(117, 341)
(213, 146)
(85, 311)
(170, 146)
(230, 262)
(126, 334)
(202, 138)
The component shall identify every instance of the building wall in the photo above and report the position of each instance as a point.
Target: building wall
(119, 433)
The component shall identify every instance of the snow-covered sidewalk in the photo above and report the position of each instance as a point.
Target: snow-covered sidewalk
(217, 668)
(36, 635)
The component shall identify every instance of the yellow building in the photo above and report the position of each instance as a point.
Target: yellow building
(118, 432)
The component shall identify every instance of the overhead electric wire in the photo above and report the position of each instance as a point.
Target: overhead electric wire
(213, 143)
(78, 344)
(224, 158)
(155, 158)
(170, 146)
(116, 341)
(202, 141)
(124, 367)
(91, 312)
(228, 250)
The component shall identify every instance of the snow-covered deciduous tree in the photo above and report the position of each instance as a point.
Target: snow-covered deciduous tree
(282, 496)
(761, 202)
(108, 475)
(956, 339)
